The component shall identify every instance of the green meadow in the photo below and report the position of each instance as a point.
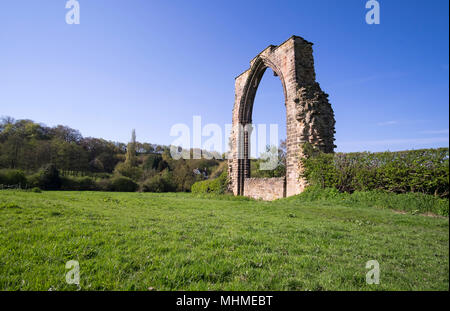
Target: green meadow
(180, 241)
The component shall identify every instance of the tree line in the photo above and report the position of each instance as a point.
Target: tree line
(59, 157)
(27, 145)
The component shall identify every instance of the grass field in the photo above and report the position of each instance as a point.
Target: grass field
(134, 241)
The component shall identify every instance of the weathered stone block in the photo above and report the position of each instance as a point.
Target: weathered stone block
(265, 188)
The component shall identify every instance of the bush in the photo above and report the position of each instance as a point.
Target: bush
(129, 171)
(152, 162)
(10, 177)
(410, 202)
(122, 184)
(425, 171)
(33, 180)
(159, 183)
(216, 186)
(103, 184)
(36, 190)
(99, 175)
(78, 183)
(47, 178)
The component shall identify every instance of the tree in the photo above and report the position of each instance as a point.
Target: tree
(49, 177)
(66, 134)
(131, 159)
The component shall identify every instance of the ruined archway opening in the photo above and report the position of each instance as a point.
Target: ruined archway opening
(309, 118)
(268, 138)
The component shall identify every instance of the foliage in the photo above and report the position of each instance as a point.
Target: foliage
(409, 202)
(181, 241)
(424, 171)
(131, 160)
(159, 183)
(223, 166)
(272, 157)
(122, 184)
(125, 169)
(103, 184)
(78, 183)
(216, 186)
(10, 177)
(8, 205)
(154, 162)
(28, 146)
(47, 178)
(185, 173)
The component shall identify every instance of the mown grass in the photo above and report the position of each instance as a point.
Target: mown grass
(134, 241)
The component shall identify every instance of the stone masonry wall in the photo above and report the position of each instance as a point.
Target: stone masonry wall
(309, 115)
(267, 189)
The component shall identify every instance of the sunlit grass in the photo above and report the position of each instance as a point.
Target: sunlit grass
(134, 241)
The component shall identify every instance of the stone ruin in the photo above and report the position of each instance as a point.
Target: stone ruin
(309, 118)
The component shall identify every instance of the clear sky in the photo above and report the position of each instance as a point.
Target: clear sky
(150, 64)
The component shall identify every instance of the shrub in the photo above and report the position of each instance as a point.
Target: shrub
(152, 162)
(154, 184)
(103, 184)
(33, 180)
(411, 202)
(129, 171)
(122, 184)
(223, 166)
(9, 177)
(159, 183)
(99, 175)
(425, 171)
(36, 190)
(216, 186)
(78, 183)
(47, 178)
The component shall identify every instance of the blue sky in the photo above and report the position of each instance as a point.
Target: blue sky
(151, 64)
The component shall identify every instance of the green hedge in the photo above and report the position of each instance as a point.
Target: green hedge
(415, 203)
(425, 171)
(216, 186)
(78, 183)
(9, 177)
